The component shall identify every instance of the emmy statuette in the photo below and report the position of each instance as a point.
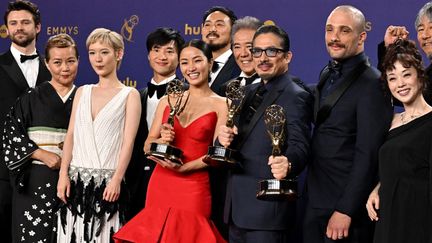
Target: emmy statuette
(274, 189)
(175, 89)
(218, 156)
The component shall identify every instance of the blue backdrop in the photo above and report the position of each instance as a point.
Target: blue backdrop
(303, 20)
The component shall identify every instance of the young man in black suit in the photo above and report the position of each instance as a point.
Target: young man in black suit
(20, 69)
(352, 118)
(163, 47)
(216, 32)
(250, 219)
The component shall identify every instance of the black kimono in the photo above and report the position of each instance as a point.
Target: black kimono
(38, 119)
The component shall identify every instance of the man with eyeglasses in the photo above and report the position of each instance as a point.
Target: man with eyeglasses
(216, 32)
(250, 219)
(352, 118)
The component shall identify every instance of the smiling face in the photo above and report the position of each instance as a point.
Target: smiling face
(194, 66)
(163, 60)
(424, 35)
(342, 35)
(270, 67)
(63, 65)
(104, 58)
(22, 28)
(242, 44)
(404, 83)
(216, 30)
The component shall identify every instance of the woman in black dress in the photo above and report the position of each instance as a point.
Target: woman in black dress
(32, 143)
(403, 195)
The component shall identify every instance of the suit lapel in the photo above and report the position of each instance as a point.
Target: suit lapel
(43, 73)
(226, 73)
(269, 99)
(13, 70)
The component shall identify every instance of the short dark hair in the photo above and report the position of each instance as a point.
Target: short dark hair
(163, 36)
(274, 29)
(23, 5)
(406, 52)
(228, 12)
(202, 46)
(60, 41)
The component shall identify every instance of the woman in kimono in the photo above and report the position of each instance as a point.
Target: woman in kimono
(98, 147)
(33, 139)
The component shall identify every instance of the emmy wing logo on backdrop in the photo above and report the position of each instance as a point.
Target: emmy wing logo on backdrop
(128, 27)
(3, 32)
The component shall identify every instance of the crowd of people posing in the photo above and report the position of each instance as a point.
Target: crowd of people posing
(78, 164)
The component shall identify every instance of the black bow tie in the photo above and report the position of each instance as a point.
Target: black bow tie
(215, 67)
(250, 79)
(24, 58)
(160, 89)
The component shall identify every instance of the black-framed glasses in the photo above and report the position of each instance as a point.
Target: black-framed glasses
(270, 52)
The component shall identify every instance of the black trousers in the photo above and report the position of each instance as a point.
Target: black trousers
(5, 211)
(315, 226)
(240, 235)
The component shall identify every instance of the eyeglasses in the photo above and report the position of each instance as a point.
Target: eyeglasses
(270, 52)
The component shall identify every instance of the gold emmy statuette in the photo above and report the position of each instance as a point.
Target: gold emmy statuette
(218, 156)
(274, 189)
(175, 89)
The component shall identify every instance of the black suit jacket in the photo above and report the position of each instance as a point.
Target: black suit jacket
(229, 71)
(345, 147)
(12, 85)
(254, 145)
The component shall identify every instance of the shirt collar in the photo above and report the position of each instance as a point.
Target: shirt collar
(17, 54)
(222, 59)
(351, 62)
(163, 81)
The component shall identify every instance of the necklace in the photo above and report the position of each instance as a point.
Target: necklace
(404, 120)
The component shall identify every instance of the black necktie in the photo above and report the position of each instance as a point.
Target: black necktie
(255, 102)
(24, 58)
(251, 79)
(215, 67)
(333, 74)
(160, 89)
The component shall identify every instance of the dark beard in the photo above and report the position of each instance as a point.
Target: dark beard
(23, 43)
(216, 47)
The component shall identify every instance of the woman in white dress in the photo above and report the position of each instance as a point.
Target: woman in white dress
(97, 147)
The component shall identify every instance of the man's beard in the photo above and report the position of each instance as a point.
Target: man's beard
(216, 47)
(23, 42)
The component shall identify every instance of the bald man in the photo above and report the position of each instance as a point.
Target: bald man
(351, 120)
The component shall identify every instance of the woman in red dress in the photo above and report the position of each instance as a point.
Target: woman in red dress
(178, 202)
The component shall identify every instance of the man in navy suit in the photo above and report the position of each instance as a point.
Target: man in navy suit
(250, 219)
(216, 32)
(163, 47)
(352, 117)
(20, 69)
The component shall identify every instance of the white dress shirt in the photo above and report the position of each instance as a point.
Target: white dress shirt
(29, 68)
(152, 102)
(221, 60)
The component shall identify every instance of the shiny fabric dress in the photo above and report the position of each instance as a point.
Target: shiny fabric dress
(178, 205)
(405, 212)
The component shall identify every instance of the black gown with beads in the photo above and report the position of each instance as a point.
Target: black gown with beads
(405, 213)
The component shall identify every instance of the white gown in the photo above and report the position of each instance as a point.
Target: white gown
(95, 156)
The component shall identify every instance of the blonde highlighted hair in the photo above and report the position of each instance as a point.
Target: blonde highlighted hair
(106, 36)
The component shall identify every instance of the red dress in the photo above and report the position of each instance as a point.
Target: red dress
(178, 205)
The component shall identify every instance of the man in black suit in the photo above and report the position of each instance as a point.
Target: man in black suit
(163, 47)
(242, 34)
(352, 118)
(20, 69)
(250, 219)
(216, 32)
